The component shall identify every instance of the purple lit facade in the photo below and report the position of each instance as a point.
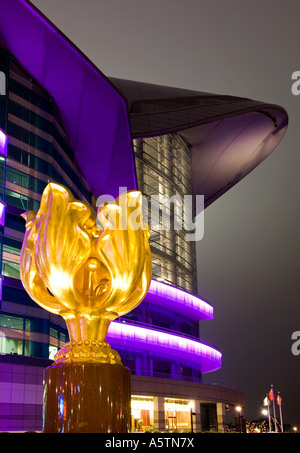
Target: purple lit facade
(66, 122)
(3, 155)
(3, 144)
(177, 300)
(165, 345)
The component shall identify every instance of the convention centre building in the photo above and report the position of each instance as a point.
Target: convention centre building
(63, 121)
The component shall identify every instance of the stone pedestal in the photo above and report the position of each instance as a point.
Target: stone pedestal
(87, 398)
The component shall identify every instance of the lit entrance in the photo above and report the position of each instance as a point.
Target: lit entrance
(177, 413)
(141, 413)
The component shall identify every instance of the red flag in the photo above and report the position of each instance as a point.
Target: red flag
(279, 400)
(271, 395)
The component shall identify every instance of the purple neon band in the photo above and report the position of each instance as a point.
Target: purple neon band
(3, 144)
(3, 152)
(179, 301)
(190, 352)
(2, 213)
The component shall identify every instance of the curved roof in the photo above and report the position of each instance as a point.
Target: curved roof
(229, 136)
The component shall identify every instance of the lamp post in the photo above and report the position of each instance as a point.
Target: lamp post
(191, 405)
(239, 410)
(265, 413)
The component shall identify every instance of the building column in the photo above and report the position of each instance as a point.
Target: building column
(197, 416)
(145, 367)
(138, 366)
(175, 371)
(159, 413)
(221, 417)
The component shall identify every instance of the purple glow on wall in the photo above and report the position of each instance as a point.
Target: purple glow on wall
(2, 213)
(3, 152)
(178, 300)
(166, 345)
(3, 144)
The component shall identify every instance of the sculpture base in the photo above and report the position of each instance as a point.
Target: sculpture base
(87, 398)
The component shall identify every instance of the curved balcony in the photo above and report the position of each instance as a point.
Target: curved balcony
(180, 301)
(168, 345)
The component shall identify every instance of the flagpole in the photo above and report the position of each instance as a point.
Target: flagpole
(269, 415)
(274, 411)
(267, 403)
(279, 402)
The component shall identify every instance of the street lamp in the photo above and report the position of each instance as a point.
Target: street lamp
(239, 410)
(265, 413)
(191, 406)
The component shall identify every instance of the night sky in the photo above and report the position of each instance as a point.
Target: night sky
(248, 260)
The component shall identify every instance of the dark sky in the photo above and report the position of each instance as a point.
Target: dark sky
(248, 260)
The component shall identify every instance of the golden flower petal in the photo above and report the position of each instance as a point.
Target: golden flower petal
(124, 249)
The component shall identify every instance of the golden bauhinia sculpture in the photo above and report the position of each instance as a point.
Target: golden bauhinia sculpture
(88, 269)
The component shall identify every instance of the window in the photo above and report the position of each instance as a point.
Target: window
(11, 346)
(177, 413)
(11, 321)
(142, 413)
(52, 351)
(2, 84)
(164, 170)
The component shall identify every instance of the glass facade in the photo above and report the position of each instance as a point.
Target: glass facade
(30, 336)
(38, 152)
(164, 174)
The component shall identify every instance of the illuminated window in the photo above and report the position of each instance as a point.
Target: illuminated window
(142, 413)
(11, 345)
(10, 269)
(164, 171)
(177, 413)
(2, 343)
(11, 321)
(2, 84)
(52, 351)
